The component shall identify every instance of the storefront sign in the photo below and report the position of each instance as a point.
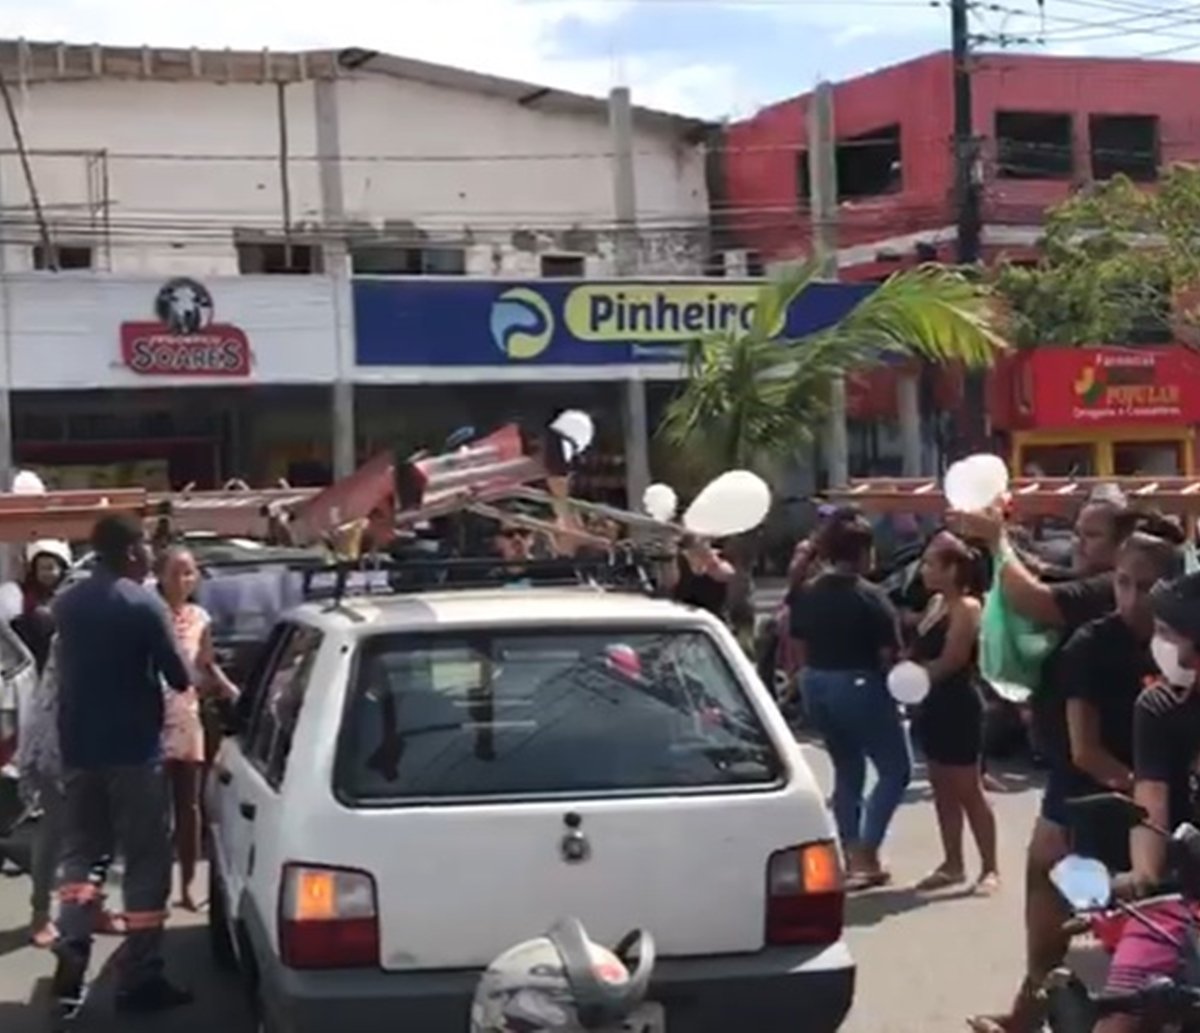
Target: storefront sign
(185, 340)
(495, 323)
(1073, 387)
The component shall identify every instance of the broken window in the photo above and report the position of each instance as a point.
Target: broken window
(1125, 145)
(62, 257)
(278, 257)
(869, 164)
(388, 260)
(1034, 145)
(562, 266)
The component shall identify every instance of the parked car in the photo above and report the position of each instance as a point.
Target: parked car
(420, 781)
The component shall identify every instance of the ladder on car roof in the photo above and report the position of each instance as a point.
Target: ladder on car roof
(1030, 496)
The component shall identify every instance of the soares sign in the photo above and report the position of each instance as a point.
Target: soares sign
(185, 340)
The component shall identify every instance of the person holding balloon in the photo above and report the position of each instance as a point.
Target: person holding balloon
(949, 723)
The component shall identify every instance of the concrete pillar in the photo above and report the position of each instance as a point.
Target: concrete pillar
(637, 442)
(337, 267)
(908, 407)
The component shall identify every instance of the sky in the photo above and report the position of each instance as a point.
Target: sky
(710, 58)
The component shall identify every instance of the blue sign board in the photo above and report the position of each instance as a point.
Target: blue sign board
(416, 322)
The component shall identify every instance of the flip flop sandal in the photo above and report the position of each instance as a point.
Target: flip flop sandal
(859, 881)
(941, 880)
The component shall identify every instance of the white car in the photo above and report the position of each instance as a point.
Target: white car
(422, 781)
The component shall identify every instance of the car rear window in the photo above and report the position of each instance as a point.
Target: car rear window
(500, 714)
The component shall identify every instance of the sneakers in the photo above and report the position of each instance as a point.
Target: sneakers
(67, 985)
(152, 997)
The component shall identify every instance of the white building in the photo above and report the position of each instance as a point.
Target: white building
(206, 163)
(137, 166)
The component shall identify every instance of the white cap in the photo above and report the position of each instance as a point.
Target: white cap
(48, 547)
(26, 482)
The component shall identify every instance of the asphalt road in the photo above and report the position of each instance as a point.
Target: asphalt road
(924, 963)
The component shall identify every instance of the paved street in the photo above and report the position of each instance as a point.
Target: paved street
(924, 964)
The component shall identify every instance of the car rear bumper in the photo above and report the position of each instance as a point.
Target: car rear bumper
(775, 991)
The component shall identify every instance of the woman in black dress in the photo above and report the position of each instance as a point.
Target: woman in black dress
(950, 721)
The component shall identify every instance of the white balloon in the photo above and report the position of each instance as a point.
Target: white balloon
(734, 503)
(974, 483)
(577, 427)
(660, 502)
(908, 683)
(27, 482)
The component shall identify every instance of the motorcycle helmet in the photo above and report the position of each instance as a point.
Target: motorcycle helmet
(562, 983)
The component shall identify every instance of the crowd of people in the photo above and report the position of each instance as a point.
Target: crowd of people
(112, 751)
(1114, 707)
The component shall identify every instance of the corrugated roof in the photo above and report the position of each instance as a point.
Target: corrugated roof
(29, 62)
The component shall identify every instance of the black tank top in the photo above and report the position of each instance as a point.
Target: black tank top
(929, 645)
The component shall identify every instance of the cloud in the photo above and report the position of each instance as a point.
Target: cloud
(515, 38)
(854, 32)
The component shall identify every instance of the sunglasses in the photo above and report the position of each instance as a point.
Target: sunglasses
(516, 532)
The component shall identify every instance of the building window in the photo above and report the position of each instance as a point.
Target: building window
(1126, 145)
(385, 260)
(869, 164)
(754, 265)
(803, 182)
(62, 257)
(1034, 145)
(278, 257)
(563, 266)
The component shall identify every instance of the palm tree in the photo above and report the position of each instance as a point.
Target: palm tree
(752, 399)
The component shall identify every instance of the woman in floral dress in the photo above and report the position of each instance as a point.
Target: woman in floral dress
(183, 728)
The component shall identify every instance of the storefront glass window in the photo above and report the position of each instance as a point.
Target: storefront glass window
(1148, 459)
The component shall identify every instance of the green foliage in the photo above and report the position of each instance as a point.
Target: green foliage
(1113, 257)
(751, 400)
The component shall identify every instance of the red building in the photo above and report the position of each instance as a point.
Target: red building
(1046, 126)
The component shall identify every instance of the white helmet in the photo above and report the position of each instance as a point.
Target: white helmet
(60, 550)
(562, 983)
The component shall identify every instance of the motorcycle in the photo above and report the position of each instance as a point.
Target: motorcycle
(1085, 883)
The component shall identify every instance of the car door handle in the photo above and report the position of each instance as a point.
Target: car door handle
(224, 777)
(247, 811)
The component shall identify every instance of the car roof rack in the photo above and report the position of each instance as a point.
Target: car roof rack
(623, 570)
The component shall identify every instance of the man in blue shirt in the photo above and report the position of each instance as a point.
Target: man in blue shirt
(115, 649)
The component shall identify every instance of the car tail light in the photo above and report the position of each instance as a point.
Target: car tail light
(805, 895)
(328, 918)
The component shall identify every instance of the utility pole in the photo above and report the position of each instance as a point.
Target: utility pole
(636, 423)
(823, 199)
(969, 216)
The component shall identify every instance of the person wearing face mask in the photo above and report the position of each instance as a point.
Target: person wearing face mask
(1106, 665)
(1166, 750)
(1100, 528)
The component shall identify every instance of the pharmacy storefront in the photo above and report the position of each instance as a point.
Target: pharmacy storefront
(434, 355)
(171, 380)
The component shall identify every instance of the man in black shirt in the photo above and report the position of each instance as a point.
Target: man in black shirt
(1166, 751)
(1105, 667)
(701, 577)
(1101, 526)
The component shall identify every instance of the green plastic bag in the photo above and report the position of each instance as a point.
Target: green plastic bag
(1012, 649)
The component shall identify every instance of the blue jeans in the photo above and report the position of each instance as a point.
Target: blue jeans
(860, 721)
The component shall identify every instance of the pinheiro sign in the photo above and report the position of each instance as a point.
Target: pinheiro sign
(556, 322)
(184, 338)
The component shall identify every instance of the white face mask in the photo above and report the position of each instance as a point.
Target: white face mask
(1166, 656)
